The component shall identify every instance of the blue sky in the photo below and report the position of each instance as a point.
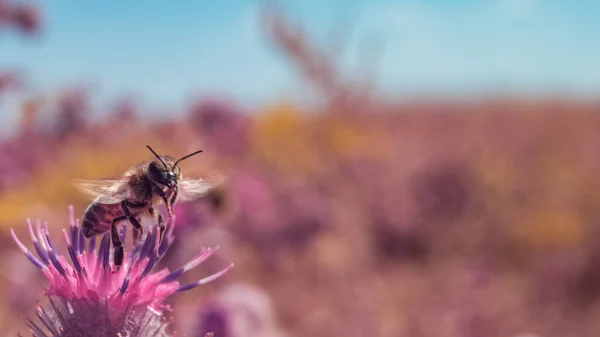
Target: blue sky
(164, 51)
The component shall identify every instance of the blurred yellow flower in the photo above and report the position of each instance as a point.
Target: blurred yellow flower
(547, 227)
(282, 137)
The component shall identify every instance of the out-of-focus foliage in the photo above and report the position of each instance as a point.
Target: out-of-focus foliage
(362, 218)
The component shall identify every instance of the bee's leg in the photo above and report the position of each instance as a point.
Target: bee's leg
(169, 207)
(116, 241)
(161, 221)
(173, 199)
(161, 225)
(162, 194)
(134, 206)
(137, 230)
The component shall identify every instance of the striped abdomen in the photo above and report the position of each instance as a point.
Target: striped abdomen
(98, 218)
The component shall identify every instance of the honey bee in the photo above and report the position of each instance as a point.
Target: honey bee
(134, 196)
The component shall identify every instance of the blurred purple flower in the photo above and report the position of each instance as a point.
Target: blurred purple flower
(223, 125)
(240, 310)
(25, 17)
(97, 294)
(71, 114)
(256, 203)
(214, 320)
(10, 80)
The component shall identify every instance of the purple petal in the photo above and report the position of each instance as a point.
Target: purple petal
(81, 238)
(57, 265)
(190, 265)
(72, 253)
(75, 236)
(146, 249)
(30, 256)
(40, 252)
(149, 266)
(126, 281)
(49, 245)
(92, 244)
(205, 280)
(104, 251)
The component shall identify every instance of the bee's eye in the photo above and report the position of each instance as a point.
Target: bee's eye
(157, 173)
(155, 169)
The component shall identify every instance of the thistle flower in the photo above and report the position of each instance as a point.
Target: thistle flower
(94, 296)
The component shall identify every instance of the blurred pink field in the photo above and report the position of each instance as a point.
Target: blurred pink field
(364, 218)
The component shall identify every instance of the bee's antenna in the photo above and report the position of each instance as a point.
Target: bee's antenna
(186, 157)
(157, 156)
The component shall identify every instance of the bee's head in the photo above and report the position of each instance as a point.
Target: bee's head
(164, 169)
(161, 172)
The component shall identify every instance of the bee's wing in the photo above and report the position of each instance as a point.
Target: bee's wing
(190, 189)
(110, 191)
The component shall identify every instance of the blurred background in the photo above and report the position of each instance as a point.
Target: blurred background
(396, 168)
